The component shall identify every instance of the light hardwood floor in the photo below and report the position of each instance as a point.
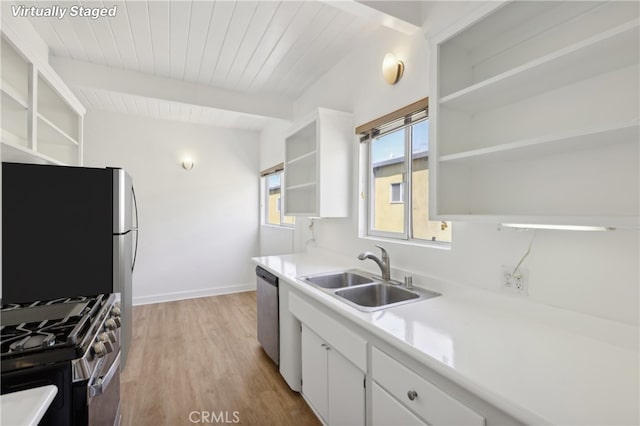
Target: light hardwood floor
(202, 355)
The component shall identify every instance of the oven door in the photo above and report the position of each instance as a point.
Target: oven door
(59, 374)
(103, 392)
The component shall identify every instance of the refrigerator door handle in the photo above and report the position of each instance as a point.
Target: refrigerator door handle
(135, 206)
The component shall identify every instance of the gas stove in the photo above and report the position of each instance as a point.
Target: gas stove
(73, 343)
(55, 330)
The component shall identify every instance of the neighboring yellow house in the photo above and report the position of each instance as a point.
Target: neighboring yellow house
(275, 204)
(388, 196)
(388, 192)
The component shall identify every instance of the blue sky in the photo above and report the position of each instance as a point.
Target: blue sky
(273, 181)
(387, 147)
(392, 145)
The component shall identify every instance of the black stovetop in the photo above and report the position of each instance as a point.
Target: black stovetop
(46, 331)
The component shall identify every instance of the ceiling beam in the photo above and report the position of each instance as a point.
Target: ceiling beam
(396, 15)
(81, 74)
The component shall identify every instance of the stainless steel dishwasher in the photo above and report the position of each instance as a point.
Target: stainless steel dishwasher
(268, 323)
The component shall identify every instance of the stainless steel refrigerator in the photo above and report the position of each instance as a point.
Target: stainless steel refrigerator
(68, 232)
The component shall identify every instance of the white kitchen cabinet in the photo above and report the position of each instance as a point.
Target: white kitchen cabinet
(417, 395)
(41, 118)
(315, 372)
(348, 342)
(15, 96)
(334, 362)
(346, 388)
(289, 365)
(317, 160)
(388, 411)
(336, 357)
(331, 384)
(535, 115)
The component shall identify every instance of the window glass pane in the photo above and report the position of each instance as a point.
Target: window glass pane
(391, 189)
(387, 168)
(273, 180)
(423, 228)
(420, 134)
(273, 199)
(396, 193)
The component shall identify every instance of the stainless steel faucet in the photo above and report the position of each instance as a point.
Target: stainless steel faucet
(384, 264)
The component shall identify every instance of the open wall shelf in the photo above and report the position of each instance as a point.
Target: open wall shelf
(536, 114)
(608, 51)
(41, 119)
(316, 167)
(576, 140)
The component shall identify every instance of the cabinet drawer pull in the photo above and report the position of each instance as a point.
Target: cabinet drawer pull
(412, 395)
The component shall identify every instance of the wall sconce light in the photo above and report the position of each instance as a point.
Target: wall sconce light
(392, 68)
(187, 164)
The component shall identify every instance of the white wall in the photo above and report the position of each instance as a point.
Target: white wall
(593, 273)
(198, 228)
(273, 239)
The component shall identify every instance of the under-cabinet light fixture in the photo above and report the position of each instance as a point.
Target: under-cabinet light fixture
(187, 164)
(556, 227)
(392, 68)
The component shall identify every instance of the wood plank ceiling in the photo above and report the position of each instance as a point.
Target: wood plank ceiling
(267, 48)
(168, 110)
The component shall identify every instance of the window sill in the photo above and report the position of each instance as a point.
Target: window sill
(414, 243)
(286, 228)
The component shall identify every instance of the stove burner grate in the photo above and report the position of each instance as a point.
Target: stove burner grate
(39, 326)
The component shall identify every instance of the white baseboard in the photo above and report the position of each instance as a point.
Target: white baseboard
(192, 294)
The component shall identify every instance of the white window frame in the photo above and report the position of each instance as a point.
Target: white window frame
(407, 190)
(265, 201)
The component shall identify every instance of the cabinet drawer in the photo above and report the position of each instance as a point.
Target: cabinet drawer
(388, 411)
(431, 404)
(345, 341)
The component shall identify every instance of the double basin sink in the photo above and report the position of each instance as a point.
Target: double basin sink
(366, 292)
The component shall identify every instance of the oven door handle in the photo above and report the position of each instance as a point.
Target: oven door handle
(99, 388)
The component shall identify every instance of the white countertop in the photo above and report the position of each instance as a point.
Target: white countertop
(26, 407)
(536, 363)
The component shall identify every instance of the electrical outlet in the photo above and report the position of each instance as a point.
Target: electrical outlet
(517, 283)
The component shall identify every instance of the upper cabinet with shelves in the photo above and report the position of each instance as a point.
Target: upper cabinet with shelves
(15, 95)
(41, 119)
(317, 155)
(536, 114)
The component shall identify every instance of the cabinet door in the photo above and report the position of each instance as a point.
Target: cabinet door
(314, 371)
(346, 391)
(389, 411)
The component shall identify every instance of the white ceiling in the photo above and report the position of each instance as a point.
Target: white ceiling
(168, 110)
(264, 48)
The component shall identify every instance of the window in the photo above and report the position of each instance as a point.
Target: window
(273, 214)
(397, 190)
(398, 202)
